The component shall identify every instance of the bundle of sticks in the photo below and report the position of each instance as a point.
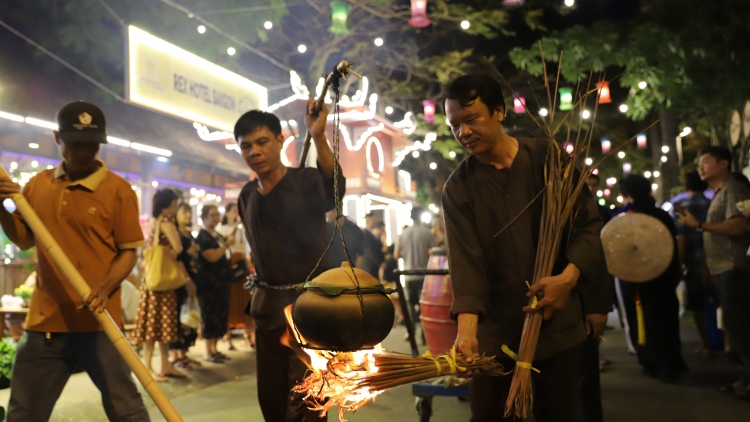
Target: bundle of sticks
(350, 380)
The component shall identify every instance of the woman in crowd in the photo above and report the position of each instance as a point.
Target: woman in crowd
(239, 297)
(186, 336)
(215, 273)
(156, 321)
(661, 355)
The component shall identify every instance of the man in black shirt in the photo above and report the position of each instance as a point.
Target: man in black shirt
(374, 256)
(486, 193)
(283, 211)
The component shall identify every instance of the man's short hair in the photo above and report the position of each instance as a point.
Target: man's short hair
(467, 88)
(594, 176)
(719, 153)
(254, 120)
(694, 183)
(416, 213)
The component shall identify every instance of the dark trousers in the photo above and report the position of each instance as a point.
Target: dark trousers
(413, 294)
(43, 366)
(279, 369)
(590, 394)
(555, 390)
(733, 288)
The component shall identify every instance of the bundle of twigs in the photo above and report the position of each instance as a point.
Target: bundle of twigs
(564, 182)
(352, 379)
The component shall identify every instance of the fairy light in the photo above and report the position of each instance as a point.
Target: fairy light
(589, 161)
(665, 149)
(231, 51)
(33, 145)
(465, 24)
(201, 29)
(433, 166)
(268, 25)
(621, 154)
(585, 114)
(657, 174)
(389, 110)
(424, 146)
(378, 42)
(302, 48)
(543, 112)
(452, 154)
(642, 84)
(624, 108)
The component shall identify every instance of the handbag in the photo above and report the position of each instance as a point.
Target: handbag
(162, 271)
(239, 271)
(190, 313)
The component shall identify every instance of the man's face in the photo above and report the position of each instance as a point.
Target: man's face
(593, 185)
(473, 126)
(709, 168)
(78, 157)
(261, 150)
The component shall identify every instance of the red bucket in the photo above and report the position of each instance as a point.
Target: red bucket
(435, 304)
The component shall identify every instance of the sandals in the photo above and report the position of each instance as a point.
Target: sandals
(222, 356)
(740, 391)
(173, 375)
(183, 363)
(214, 358)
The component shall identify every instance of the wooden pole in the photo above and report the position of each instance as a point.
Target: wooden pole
(105, 319)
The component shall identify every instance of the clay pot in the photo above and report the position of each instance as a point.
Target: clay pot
(335, 321)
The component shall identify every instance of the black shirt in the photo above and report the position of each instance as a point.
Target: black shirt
(286, 229)
(374, 255)
(354, 242)
(489, 274)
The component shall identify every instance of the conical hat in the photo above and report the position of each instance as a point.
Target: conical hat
(638, 248)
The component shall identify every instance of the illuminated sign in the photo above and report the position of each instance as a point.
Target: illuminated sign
(167, 78)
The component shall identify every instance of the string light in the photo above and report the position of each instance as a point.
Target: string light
(452, 154)
(647, 174)
(585, 114)
(378, 41)
(155, 184)
(33, 145)
(654, 186)
(465, 24)
(268, 25)
(543, 112)
(415, 154)
(433, 166)
(642, 84)
(624, 108)
(621, 154)
(570, 3)
(35, 164)
(388, 110)
(201, 29)
(663, 158)
(657, 174)
(589, 161)
(302, 48)
(665, 149)
(231, 51)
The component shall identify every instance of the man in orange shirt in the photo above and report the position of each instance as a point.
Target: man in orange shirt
(93, 215)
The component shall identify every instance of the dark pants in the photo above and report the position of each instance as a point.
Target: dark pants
(590, 394)
(413, 294)
(555, 390)
(733, 288)
(43, 366)
(279, 369)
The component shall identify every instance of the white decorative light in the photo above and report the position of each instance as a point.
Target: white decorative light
(620, 199)
(642, 84)
(134, 187)
(426, 218)
(657, 174)
(152, 150)
(13, 165)
(589, 161)
(50, 167)
(465, 24)
(665, 149)
(599, 193)
(378, 41)
(663, 158)
(433, 166)
(268, 25)
(10, 116)
(302, 48)
(118, 141)
(647, 174)
(284, 159)
(543, 112)
(407, 125)
(33, 145)
(424, 146)
(207, 135)
(201, 29)
(611, 207)
(414, 154)
(162, 159)
(654, 186)
(40, 123)
(585, 114)
(193, 201)
(388, 110)
(452, 154)
(624, 108)
(406, 177)
(621, 154)
(570, 3)
(300, 92)
(362, 138)
(685, 132)
(155, 184)
(231, 51)
(381, 161)
(34, 164)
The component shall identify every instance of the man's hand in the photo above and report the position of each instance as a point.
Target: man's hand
(556, 290)
(316, 122)
(230, 240)
(466, 340)
(8, 188)
(687, 219)
(595, 324)
(98, 299)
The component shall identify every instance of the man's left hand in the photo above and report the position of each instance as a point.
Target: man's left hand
(556, 290)
(316, 122)
(687, 219)
(595, 324)
(98, 299)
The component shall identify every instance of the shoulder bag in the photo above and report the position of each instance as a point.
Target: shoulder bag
(162, 271)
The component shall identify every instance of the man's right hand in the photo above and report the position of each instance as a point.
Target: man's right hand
(466, 340)
(8, 188)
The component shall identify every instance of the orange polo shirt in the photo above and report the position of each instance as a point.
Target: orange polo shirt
(92, 220)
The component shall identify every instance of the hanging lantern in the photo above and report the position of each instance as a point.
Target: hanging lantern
(340, 13)
(429, 110)
(603, 88)
(569, 148)
(640, 140)
(627, 168)
(419, 17)
(566, 99)
(519, 103)
(606, 145)
(607, 192)
(611, 181)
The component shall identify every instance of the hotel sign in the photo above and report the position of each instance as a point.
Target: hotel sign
(169, 79)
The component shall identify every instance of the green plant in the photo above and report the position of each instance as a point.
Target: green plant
(24, 291)
(7, 357)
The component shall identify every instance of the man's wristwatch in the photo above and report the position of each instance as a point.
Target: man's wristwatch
(699, 229)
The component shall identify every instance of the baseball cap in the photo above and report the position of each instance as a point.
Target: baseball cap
(80, 121)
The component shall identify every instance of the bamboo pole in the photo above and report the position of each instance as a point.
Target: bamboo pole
(105, 319)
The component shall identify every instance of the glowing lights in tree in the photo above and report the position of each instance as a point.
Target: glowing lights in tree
(642, 84)
(627, 168)
(624, 108)
(340, 13)
(302, 48)
(641, 141)
(465, 25)
(611, 181)
(268, 25)
(606, 145)
(429, 110)
(566, 99)
(543, 112)
(519, 103)
(569, 148)
(231, 51)
(419, 17)
(201, 29)
(604, 97)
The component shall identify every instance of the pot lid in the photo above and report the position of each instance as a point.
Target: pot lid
(342, 277)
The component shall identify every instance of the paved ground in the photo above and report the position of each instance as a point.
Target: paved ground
(228, 392)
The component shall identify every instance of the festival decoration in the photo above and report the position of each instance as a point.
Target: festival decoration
(419, 17)
(339, 16)
(627, 168)
(519, 103)
(566, 99)
(641, 141)
(606, 145)
(429, 110)
(604, 97)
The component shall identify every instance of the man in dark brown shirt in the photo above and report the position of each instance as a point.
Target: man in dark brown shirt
(489, 272)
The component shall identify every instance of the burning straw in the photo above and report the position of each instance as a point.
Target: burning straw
(563, 185)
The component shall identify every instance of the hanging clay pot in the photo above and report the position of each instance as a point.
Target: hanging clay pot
(328, 314)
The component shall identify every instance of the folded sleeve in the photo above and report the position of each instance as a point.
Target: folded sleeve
(329, 185)
(128, 233)
(467, 266)
(736, 192)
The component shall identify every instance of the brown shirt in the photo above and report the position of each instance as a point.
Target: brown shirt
(489, 274)
(724, 253)
(92, 220)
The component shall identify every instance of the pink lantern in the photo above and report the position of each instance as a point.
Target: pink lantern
(595, 171)
(429, 110)
(641, 140)
(606, 145)
(607, 192)
(519, 103)
(569, 148)
(419, 17)
(627, 168)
